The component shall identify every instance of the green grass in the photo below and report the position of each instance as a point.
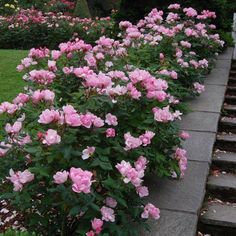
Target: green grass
(11, 82)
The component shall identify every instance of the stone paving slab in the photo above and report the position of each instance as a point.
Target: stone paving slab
(182, 195)
(174, 223)
(223, 64)
(218, 76)
(226, 55)
(199, 146)
(200, 121)
(211, 100)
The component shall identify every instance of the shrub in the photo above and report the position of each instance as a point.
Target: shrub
(94, 120)
(32, 28)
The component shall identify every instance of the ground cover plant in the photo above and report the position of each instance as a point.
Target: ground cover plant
(95, 119)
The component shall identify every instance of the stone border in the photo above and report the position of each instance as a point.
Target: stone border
(180, 200)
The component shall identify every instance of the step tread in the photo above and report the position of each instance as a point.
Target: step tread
(230, 107)
(220, 214)
(230, 97)
(226, 157)
(226, 137)
(228, 121)
(222, 181)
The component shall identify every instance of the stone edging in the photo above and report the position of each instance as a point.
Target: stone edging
(180, 200)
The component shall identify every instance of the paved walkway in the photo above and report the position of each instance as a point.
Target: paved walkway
(180, 200)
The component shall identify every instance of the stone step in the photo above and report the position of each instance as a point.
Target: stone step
(224, 160)
(231, 138)
(231, 90)
(220, 214)
(228, 121)
(222, 186)
(230, 108)
(230, 99)
(226, 141)
(227, 124)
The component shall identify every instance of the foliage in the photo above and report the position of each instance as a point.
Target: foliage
(135, 10)
(94, 120)
(32, 28)
(12, 232)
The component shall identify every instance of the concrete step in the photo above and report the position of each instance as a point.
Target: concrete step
(229, 108)
(226, 137)
(218, 219)
(226, 141)
(224, 160)
(230, 99)
(231, 90)
(222, 186)
(220, 214)
(227, 124)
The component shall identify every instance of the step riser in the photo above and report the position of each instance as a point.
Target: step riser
(224, 166)
(226, 128)
(226, 146)
(214, 230)
(223, 194)
(230, 101)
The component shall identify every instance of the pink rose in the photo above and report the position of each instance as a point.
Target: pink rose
(151, 211)
(110, 133)
(107, 214)
(51, 137)
(60, 177)
(81, 180)
(111, 202)
(97, 225)
(13, 129)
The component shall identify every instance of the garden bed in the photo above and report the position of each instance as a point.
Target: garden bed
(94, 120)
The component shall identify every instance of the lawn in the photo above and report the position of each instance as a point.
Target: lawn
(11, 81)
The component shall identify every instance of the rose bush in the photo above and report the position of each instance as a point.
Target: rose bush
(32, 28)
(94, 120)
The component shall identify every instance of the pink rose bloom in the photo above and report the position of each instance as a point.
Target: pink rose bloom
(37, 96)
(184, 135)
(86, 120)
(60, 177)
(131, 142)
(142, 191)
(163, 115)
(55, 54)
(150, 211)
(141, 163)
(147, 137)
(98, 122)
(81, 180)
(13, 129)
(110, 133)
(111, 202)
(20, 178)
(97, 225)
(111, 119)
(21, 98)
(199, 87)
(88, 152)
(51, 137)
(73, 120)
(48, 95)
(90, 233)
(49, 116)
(4, 148)
(52, 65)
(107, 214)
